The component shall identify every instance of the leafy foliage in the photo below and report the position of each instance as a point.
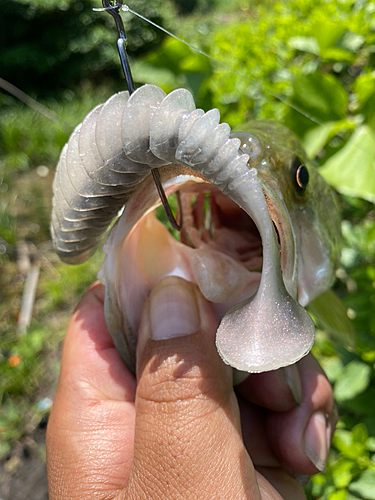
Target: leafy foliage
(316, 59)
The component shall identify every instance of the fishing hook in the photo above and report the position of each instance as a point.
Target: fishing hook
(114, 10)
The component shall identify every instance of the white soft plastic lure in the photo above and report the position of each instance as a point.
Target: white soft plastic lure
(260, 227)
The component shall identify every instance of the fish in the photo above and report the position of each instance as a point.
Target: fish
(260, 228)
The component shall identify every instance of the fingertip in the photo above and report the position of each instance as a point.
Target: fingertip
(93, 295)
(176, 341)
(283, 486)
(301, 437)
(88, 316)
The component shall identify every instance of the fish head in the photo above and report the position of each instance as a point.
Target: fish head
(303, 207)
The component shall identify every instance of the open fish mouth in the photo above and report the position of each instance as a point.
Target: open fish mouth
(253, 238)
(220, 248)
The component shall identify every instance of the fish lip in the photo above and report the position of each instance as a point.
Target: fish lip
(283, 223)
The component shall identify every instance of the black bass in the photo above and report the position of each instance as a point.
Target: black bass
(260, 227)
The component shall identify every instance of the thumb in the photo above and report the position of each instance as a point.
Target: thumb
(188, 440)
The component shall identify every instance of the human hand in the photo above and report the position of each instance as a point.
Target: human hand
(176, 432)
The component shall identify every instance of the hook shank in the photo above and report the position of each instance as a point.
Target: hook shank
(122, 42)
(114, 9)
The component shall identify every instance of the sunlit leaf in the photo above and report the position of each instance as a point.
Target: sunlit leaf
(305, 43)
(343, 441)
(352, 170)
(337, 54)
(365, 486)
(332, 367)
(331, 315)
(317, 138)
(146, 73)
(370, 444)
(353, 380)
(328, 31)
(338, 495)
(342, 473)
(364, 86)
(352, 41)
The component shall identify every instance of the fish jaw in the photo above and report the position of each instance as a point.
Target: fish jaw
(262, 328)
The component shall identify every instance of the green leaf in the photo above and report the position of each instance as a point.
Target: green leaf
(321, 96)
(352, 170)
(344, 442)
(337, 54)
(316, 138)
(352, 41)
(360, 433)
(352, 497)
(332, 366)
(364, 403)
(4, 449)
(365, 486)
(342, 473)
(364, 86)
(370, 444)
(331, 315)
(342, 439)
(194, 63)
(338, 495)
(305, 43)
(318, 485)
(145, 72)
(327, 32)
(353, 380)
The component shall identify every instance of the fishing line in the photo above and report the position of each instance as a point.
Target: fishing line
(36, 106)
(49, 114)
(126, 8)
(261, 88)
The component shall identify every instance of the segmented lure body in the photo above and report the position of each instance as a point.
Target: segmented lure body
(115, 148)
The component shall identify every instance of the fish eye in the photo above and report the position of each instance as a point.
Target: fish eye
(300, 176)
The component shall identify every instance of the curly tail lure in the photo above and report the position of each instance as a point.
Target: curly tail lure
(107, 160)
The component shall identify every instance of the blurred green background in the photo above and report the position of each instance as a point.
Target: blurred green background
(279, 58)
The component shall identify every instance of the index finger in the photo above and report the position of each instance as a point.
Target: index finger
(89, 355)
(90, 434)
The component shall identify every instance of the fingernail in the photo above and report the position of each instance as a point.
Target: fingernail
(302, 480)
(317, 440)
(173, 310)
(293, 380)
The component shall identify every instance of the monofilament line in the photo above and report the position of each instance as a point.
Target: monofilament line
(126, 8)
